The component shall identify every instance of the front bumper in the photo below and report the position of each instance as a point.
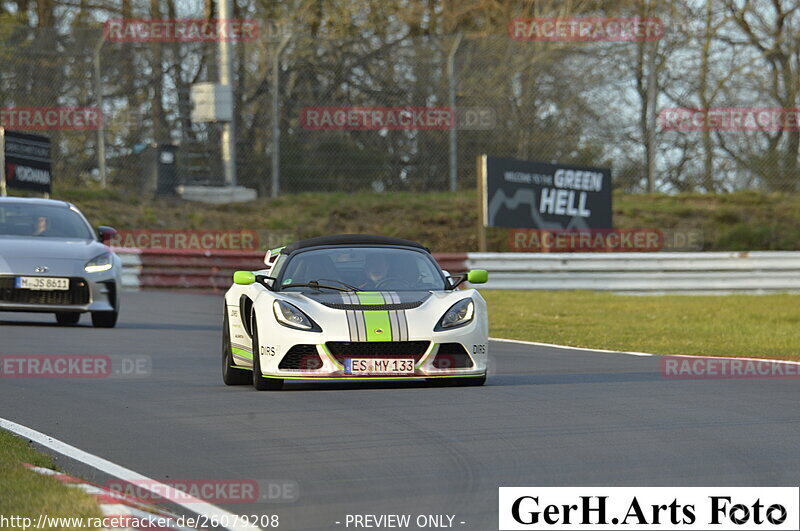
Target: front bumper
(327, 360)
(457, 353)
(98, 293)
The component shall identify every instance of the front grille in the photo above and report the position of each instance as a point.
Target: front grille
(301, 357)
(378, 349)
(78, 293)
(452, 356)
(376, 307)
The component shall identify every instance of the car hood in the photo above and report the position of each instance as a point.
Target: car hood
(16, 253)
(366, 300)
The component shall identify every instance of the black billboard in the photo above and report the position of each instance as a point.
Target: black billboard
(538, 195)
(27, 162)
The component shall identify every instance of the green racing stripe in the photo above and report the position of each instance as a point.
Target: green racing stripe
(379, 327)
(377, 322)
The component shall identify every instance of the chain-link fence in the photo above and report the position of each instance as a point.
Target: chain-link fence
(384, 112)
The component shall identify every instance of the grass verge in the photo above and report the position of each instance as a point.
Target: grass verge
(25, 493)
(759, 326)
(446, 222)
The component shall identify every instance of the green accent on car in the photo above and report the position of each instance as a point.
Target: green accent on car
(379, 327)
(327, 352)
(244, 278)
(273, 252)
(370, 297)
(478, 276)
(242, 352)
(362, 378)
(426, 355)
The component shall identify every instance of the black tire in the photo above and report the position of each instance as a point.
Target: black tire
(230, 374)
(471, 381)
(68, 318)
(259, 382)
(474, 381)
(104, 319)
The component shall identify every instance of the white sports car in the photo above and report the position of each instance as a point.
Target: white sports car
(353, 307)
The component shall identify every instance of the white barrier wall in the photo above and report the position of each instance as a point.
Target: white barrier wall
(754, 272)
(131, 268)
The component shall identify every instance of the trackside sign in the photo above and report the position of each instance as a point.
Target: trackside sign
(649, 508)
(27, 162)
(537, 195)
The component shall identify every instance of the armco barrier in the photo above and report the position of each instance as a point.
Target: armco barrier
(757, 271)
(209, 269)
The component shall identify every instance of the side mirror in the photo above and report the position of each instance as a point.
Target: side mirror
(105, 234)
(477, 276)
(244, 278)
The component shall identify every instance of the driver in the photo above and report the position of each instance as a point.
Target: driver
(40, 227)
(376, 266)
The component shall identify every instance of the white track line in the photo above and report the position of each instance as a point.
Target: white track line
(567, 347)
(193, 504)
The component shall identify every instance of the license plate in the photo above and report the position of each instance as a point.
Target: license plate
(376, 366)
(43, 283)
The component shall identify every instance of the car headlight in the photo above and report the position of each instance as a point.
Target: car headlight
(99, 263)
(291, 316)
(459, 314)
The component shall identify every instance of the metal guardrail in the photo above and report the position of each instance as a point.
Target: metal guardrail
(753, 272)
(748, 272)
(209, 269)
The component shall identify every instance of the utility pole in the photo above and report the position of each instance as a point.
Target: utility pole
(451, 76)
(101, 129)
(650, 120)
(3, 191)
(225, 61)
(276, 118)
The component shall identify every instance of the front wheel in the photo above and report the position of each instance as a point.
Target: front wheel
(230, 374)
(259, 382)
(467, 381)
(104, 319)
(474, 381)
(70, 318)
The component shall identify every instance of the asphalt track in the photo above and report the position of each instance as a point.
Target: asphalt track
(547, 417)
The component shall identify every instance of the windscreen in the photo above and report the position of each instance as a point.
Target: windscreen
(43, 221)
(364, 268)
